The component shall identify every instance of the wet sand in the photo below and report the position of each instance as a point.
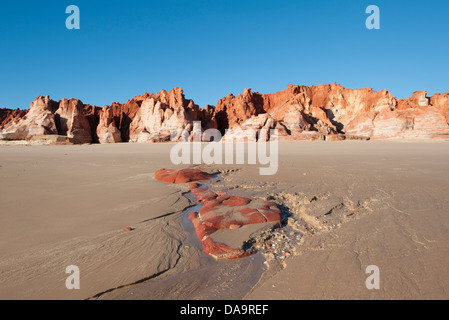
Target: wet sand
(378, 203)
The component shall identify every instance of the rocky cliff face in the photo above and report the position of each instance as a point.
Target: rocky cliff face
(151, 118)
(71, 121)
(115, 121)
(324, 112)
(7, 115)
(161, 115)
(67, 118)
(39, 121)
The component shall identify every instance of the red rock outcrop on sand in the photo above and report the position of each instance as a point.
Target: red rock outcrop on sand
(323, 112)
(220, 211)
(181, 176)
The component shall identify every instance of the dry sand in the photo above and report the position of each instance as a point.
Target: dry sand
(368, 203)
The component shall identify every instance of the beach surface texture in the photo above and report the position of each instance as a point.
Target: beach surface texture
(310, 231)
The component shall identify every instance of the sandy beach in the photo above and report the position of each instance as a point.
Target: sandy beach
(381, 203)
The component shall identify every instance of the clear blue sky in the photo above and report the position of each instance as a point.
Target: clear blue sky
(212, 48)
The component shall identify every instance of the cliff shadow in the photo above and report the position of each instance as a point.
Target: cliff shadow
(124, 127)
(330, 114)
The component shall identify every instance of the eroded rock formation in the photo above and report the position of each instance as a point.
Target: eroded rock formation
(68, 119)
(39, 121)
(181, 176)
(220, 211)
(71, 121)
(115, 121)
(324, 112)
(165, 114)
(8, 115)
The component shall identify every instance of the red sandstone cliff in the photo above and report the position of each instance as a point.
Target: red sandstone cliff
(151, 118)
(325, 110)
(162, 114)
(7, 115)
(69, 119)
(298, 113)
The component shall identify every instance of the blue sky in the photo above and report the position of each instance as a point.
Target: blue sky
(212, 48)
